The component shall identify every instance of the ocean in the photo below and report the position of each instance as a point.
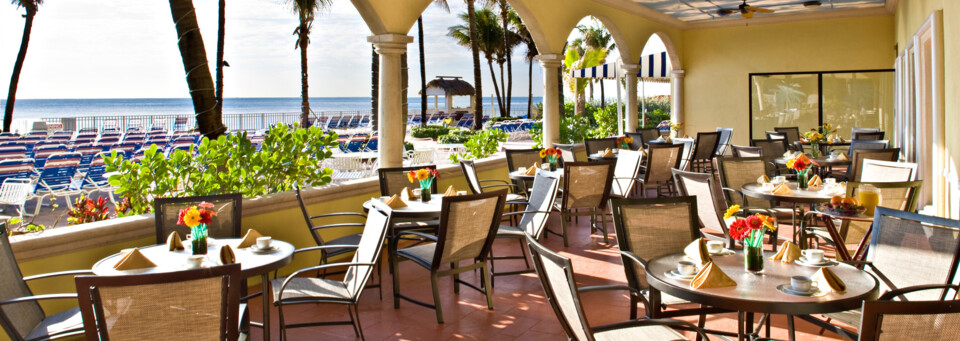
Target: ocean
(45, 108)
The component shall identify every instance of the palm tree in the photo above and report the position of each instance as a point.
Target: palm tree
(526, 39)
(31, 6)
(597, 37)
(489, 42)
(423, 70)
(374, 88)
(194, 57)
(508, 35)
(577, 57)
(221, 26)
(306, 10)
(475, 52)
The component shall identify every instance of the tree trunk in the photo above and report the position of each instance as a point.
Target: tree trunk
(590, 85)
(31, 8)
(508, 90)
(477, 80)
(220, 37)
(529, 88)
(496, 89)
(194, 57)
(603, 99)
(404, 102)
(423, 75)
(501, 96)
(560, 90)
(374, 88)
(303, 41)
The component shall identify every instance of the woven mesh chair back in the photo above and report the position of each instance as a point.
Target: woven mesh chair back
(468, 226)
(651, 228)
(517, 158)
(202, 304)
(738, 171)
(911, 249)
(625, 173)
(368, 249)
(855, 130)
(746, 151)
(594, 146)
(791, 134)
(225, 225)
(542, 197)
(470, 173)
(567, 153)
(912, 320)
(706, 145)
(587, 184)
(559, 286)
(896, 195)
(25, 316)
(867, 135)
(770, 147)
(637, 140)
(649, 134)
(709, 201)
(866, 144)
(887, 171)
(686, 152)
(393, 180)
(661, 159)
(856, 160)
(726, 134)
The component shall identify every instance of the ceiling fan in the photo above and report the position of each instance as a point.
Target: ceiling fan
(745, 10)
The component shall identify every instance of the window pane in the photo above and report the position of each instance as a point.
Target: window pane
(784, 101)
(859, 100)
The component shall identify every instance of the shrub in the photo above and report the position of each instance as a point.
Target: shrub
(430, 131)
(86, 210)
(457, 136)
(481, 145)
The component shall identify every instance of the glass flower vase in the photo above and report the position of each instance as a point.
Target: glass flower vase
(815, 150)
(199, 241)
(553, 165)
(753, 257)
(802, 179)
(426, 186)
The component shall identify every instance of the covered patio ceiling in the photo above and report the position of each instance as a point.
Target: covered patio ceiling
(707, 10)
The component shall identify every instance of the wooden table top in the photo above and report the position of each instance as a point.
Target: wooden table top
(168, 261)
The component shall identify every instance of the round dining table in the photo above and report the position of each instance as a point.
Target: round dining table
(251, 264)
(600, 157)
(822, 161)
(797, 197)
(758, 293)
(521, 176)
(415, 208)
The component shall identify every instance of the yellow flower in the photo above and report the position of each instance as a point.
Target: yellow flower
(192, 217)
(543, 153)
(423, 174)
(731, 211)
(411, 176)
(768, 221)
(790, 163)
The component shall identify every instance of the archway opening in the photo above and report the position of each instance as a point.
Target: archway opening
(653, 89)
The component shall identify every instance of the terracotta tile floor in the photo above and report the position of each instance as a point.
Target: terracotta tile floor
(520, 310)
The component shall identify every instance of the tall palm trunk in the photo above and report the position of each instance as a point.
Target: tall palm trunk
(529, 88)
(31, 8)
(303, 41)
(194, 58)
(603, 97)
(374, 88)
(560, 90)
(508, 90)
(220, 36)
(477, 81)
(404, 102)
(423, 75)
(501, 96)
(496, 89)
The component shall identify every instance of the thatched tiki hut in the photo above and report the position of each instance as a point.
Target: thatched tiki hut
(448, 86)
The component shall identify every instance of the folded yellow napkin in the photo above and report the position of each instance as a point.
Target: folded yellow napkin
(782, 189)
(173, 242)
(451, 192)
(827, 279)
(394, 202)
(763, 179)
(134, 260)
(697, 251)
(227, 256)
(842, 157)
(532, 170)
(249, 239)
(711, 277)
(607, 153)
(410, 194)
(815, 181)
(788, 252)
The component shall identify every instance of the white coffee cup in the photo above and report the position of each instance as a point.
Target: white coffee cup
(522, 169)
(813, 256)
(195, 261)
(545, 165)
(687, 268)
(767, 186)
(264, 242)
(802, 283)
(830, 181)
(779, 179)
(714, 246)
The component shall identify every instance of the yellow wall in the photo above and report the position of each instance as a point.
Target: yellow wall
(717, 62)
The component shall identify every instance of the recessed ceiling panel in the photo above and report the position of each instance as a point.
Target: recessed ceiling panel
(707, 10)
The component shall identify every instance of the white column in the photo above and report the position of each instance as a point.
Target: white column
(630, 76)
(449, 103)
(391, 129)
(676, 98)
(551, 101)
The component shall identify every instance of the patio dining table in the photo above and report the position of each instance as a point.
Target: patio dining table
(796, 196)
(521, 176)
(600, 157)
(758, 293)
(251, 264)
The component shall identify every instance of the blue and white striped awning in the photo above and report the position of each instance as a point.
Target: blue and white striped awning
(608, 70)
(653, 68)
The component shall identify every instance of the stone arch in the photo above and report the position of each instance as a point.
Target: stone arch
(671, 50)
(625, 52)
(536, 30)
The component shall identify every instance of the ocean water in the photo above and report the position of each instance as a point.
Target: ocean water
(37, 108)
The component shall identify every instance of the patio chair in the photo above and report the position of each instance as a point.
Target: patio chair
(855, 130)
(16, 169)
(16, 192)
(790, 134)
(649, 134)
(594, 146)
(637, 143)
(906, 249)
(567, 153)
(687, 153)
(298, 289)
(649, 228)
(704, 151)
(201, 304)
(775, 135)
(867, 135)
(57, 177)
(21, 315)
(477, 186)
(227, 225)
(856, 160)
(13, 152)
(517, 158)
(560, 288)
(532, 221)
(586, 187)
(738, 171)
(905, 320)
(468, 226)
(710, 203)
(372, 145)
(94, 179)
(770, 147)
(866, 144)
(887, 171)
(332, 221)
(393, 180)
(420, 157)
(41, 154)
(625, 173)
(726, 135)
(746, 151)
(661, 158)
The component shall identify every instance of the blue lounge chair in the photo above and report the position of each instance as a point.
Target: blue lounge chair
(372, 145)
(57, 178)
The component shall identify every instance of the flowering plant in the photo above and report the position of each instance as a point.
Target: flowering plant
(751, 229)
(86, 210)
(422, 174)
(814, 137)
(801, 163)
(550, 154)
(624, 141)
(203, 213)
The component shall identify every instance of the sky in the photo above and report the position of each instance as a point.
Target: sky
(127, 49)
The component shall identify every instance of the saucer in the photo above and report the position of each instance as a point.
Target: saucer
(826, 262)
(257, 249)
(678, 276)
(787, 289)
(724, 252)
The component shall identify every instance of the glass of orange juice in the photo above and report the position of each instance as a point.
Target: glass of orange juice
(869, 197)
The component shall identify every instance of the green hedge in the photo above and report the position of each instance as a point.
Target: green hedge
(431, 131)
(457, 136)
